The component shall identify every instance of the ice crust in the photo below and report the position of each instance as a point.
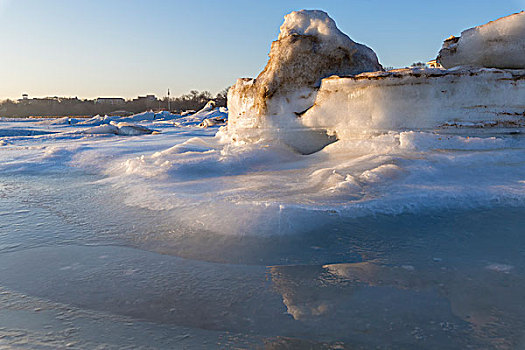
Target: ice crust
(190, 119)
(497, 44)
(122, 128)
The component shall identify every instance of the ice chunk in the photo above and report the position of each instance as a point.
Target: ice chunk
(208, 116)
(121, 128)
(206, 123)
(101, 129)
(96, 121)
(309, 48)
(497, 44)
(419, 99)
(129, 129)
(504, 268)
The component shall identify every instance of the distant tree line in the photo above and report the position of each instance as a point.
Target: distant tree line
(195, 100)
(59, 106)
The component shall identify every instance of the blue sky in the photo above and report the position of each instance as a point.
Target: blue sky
(131, 47)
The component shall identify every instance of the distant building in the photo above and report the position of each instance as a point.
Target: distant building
(147, 98)
(110, 101)
(146, 102)
(434, 64)
(45, 100)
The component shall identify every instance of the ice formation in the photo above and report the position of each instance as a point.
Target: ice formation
(409, 140)
(140, 123)
(121, 128)
(419, 99)
(310, 47)
(497, 44)
(361, 100)
(206, 117)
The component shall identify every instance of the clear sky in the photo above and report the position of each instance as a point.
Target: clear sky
(130, 47)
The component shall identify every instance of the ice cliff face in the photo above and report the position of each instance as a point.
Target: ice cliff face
(419, 99)
(310, 47)
(497, 44)
(357, 99)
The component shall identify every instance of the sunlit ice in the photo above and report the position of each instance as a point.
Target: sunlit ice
(331, 201)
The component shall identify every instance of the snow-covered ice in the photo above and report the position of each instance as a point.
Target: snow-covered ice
(121, 128)
(419, 99)
(497, 44)
(287, 86)
(193, 174)
(398, 195)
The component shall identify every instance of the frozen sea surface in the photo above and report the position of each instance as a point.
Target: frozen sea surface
(403, 240)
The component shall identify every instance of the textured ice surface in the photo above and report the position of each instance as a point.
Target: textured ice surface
(497, 44)
(271, 189)
(122, 128)
(419, 99)
(261, 246)
(309, 48)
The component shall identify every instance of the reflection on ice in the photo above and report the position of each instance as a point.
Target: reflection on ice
(443, 306)
(431, 304)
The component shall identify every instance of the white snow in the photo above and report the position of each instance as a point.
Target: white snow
(208, 116)
(121, 128)
(101, 129)
(313, 22)
(137, 124)
(497, 44)
(318, 24)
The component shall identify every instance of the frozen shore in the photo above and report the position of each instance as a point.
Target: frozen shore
(355, 211)
(484, 88)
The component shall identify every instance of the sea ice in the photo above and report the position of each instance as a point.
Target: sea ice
(285, 105)
(408, 140)
(121, 128)
(419, 99)
(497, 44)
(310, 47)
(208, 116)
